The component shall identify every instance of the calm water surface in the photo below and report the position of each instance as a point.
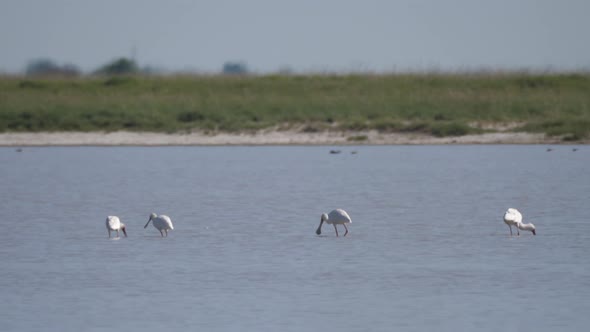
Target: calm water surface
(427, 249)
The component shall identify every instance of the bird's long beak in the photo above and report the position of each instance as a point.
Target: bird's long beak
(319, 230)
(534, 232)
(124, 231)
(147, 223)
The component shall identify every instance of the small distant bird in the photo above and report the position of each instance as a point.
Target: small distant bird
(335, 151)
(114, 224)
(162, 223)
(337, 216)
(574, 149)
(549, 149)
(513, 217)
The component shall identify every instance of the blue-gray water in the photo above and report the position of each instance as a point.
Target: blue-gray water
(427, 249)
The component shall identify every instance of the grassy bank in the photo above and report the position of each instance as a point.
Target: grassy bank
(439, 104)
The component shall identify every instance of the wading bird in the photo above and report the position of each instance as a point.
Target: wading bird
(512, 217)
(162, 223)
(337, 216)
(114, 224)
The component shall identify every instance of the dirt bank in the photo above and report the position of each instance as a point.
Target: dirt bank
(264, 138)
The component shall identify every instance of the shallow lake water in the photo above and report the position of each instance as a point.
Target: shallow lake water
(427, 248)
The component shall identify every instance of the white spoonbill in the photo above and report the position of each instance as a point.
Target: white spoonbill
(114, 224)
(511, 217)
(526, 227)
(337, 216)
(161, 222)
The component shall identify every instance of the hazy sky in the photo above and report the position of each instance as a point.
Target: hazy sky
(304, 35)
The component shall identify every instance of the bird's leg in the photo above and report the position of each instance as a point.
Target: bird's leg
(162, 234)
(517, 232)
(510, 229)
(345, 228)
(166, 231)
(336, 229)
(117, 233)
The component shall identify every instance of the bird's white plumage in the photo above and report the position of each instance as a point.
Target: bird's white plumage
(162, 223)
(335, 217)
(113, 223)
(338, 216)
(511, 217)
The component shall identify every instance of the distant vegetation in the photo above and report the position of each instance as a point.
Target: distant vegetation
(49, 69)
(46, 67)
(235, 68)
(121, 66)
(437, 104)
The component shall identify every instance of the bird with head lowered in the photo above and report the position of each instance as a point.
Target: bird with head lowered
(335, 217)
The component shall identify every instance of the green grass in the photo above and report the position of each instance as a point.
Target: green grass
(437, 104)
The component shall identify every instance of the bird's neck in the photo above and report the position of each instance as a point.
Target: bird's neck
(524, 227)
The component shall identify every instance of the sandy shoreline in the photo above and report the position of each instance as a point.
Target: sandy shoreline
(121, 138)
